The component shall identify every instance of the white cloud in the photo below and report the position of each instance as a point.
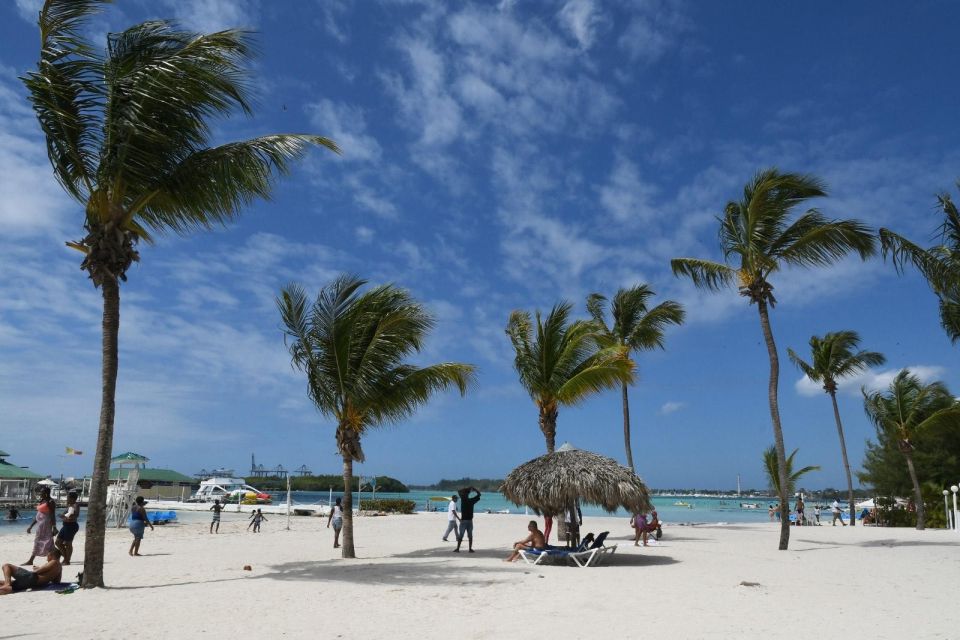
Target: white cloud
(29, 10)
(207, 16)
(626, 196)
(347, 127)
(331, 22)
(655, 27)
(581, 19)
(364, 235)
(871, 380)
(671, 407)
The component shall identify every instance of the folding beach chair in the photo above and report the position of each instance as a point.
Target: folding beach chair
(595, 554)
(539, 556)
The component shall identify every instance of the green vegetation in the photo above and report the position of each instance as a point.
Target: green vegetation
(389, 506)
(909, 415)
(128, 136)
(771, 467)
(352, 347)
(835, 356)
(385, 484)
(560, 363)
(635, 328)
(940, 264)
(756, 240)
(451, 486)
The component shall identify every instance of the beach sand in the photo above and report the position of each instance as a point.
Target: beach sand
(698, 582)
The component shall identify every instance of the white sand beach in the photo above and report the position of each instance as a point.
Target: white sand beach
(698, 582)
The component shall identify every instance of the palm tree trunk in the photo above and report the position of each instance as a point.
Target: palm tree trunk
(346, 543)
(777, 429)
(846, 463)
(97, 509)
(548, 425)
(918, 496)
(626, 427)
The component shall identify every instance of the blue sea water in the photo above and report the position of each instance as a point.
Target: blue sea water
(702, 510)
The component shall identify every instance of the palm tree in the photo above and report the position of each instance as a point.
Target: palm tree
(772, 469)
(757, 241)
(352, 347)
(835, 356)
(940, 264)
(127, 134)
(561, 364)
(907, 408)
(636, 327)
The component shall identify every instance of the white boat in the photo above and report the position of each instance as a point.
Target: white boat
(681, 503)
(749, 505)
(229, 490)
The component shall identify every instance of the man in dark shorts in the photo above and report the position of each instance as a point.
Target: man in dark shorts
(466, 516)
(20, 578)
(216, 508)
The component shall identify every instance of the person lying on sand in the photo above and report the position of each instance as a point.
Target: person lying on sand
(533, 541)
(20, 578)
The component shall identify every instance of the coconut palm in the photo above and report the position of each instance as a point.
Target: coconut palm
(636, 327)
(835, 356)
(771, 468)
(127, 133)
(906, 408)
(560, 363)
(352, 346)
(757, 240)
(940, 264)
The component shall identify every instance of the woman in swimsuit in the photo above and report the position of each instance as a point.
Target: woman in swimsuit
(336, 517)
(138, 523)
(45, 521)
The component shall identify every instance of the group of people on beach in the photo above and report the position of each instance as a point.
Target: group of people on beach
(53, 544)
(800, 510)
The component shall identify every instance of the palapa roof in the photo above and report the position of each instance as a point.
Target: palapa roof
(552, 482)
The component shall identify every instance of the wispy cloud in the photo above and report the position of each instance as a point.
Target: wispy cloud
(671, 407)
(871, 380)
(582, 19)
(655, 28)
(207, 16)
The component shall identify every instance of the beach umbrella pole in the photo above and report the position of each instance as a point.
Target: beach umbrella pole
(288, 503)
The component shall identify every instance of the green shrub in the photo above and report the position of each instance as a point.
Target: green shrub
(390, 506)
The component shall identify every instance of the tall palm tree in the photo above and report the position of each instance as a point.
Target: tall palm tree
(907, 407)
(835, 356)
(939, 264)
(636, 327)
(757, 239)
(352, 346)
(127, 133)
(771, 468)
(560, 363)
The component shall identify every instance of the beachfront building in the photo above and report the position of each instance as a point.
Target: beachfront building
(152, 483)
(16, 483)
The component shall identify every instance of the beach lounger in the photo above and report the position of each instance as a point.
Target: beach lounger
(586, 555)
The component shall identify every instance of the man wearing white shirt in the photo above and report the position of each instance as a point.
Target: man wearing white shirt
(452, 518)
(835, 507)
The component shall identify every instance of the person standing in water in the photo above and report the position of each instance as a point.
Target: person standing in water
(69, 528)
(216, 508)
(336, 517)
(45, 521)
(466, 516)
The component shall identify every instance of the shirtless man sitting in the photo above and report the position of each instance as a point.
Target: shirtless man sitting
(533, 541)
(19, 578)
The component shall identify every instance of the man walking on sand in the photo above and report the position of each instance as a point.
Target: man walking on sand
(835, 507)
(452, 518)
(466, 516)
(216, 508)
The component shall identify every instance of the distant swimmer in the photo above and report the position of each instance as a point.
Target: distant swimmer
(13, 514)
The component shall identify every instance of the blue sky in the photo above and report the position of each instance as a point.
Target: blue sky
(498, 156)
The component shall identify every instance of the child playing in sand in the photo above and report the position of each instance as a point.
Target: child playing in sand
(255, 519)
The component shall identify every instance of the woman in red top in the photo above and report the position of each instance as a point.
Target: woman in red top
(45, 521)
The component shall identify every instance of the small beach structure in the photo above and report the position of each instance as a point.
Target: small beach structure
(552, 482)
(16, 483)
(152, 483)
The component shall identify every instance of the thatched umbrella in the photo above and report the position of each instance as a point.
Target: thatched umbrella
(552, 482)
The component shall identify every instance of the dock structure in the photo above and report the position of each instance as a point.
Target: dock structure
(260, 471)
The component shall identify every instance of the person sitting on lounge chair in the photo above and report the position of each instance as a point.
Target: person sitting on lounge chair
(533, 541)
(20, 578)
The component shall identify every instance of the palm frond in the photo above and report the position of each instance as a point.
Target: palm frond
(704, 273)
(943, 275)
(213, 185)
(950, 318)
(604, 371)
(648, 332)
(813, 240)
(805, 368)
(407, 388)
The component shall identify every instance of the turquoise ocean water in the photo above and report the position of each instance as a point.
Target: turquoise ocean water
(701, 510)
